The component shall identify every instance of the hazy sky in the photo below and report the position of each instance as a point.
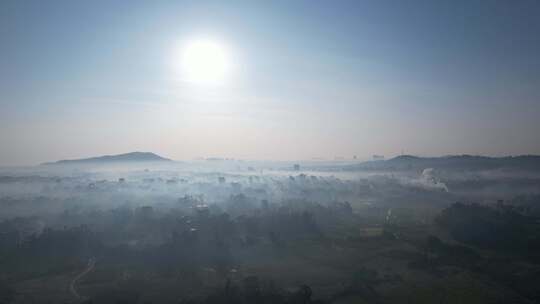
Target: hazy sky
(309, 79)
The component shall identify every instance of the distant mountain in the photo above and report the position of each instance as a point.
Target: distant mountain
(452, 162)
(127, 157)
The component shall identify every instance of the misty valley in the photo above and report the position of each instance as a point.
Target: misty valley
(269, 152)
(134, 229)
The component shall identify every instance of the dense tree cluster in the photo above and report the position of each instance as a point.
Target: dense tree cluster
(502, 228)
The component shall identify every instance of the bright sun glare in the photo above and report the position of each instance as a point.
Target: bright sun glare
(205, 62)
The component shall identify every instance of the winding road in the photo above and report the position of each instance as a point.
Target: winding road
(72, 286)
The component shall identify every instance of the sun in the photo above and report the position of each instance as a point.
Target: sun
(205, 62)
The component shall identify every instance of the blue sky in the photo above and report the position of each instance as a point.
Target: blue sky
(311, 79)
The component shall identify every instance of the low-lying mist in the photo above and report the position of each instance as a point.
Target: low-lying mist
(226, 230)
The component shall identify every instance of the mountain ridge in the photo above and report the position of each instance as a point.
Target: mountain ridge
(464, 161)
(124, 157)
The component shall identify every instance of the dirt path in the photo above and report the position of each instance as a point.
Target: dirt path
(72, 286)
